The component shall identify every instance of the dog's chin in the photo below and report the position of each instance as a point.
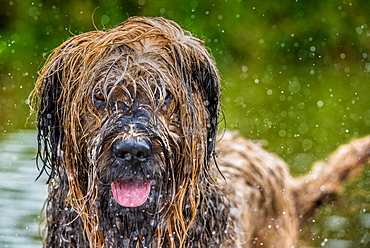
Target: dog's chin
(131, 191)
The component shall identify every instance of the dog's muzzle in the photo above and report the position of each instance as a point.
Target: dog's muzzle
(133, 153)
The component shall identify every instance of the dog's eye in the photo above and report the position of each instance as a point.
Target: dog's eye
(167, 97)
(99, 96)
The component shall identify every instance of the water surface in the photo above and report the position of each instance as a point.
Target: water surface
(21, 198)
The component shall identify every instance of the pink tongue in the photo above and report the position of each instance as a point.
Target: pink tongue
(131, 193)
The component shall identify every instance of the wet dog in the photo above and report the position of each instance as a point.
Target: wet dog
(127, 123)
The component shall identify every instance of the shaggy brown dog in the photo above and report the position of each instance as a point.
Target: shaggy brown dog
(127, 123)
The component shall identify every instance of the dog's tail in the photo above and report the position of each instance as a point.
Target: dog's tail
(322, 184)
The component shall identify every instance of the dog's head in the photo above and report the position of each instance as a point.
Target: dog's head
(134, 108)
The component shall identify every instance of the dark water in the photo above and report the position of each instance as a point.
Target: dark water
(343, 224)
(21, 198)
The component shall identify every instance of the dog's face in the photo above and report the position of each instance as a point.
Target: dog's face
(128, 108)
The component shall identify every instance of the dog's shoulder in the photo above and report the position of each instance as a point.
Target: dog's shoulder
(255, 179)
(246, 155)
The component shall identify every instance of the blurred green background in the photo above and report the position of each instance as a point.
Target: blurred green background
(294, 73)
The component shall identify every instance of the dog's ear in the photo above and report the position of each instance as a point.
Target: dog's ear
(55, 89)
(193, 59)
(206, 75)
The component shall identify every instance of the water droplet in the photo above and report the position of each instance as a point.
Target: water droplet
(359, 30)
(127, 156)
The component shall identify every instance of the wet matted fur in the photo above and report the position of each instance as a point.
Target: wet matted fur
(127, 122)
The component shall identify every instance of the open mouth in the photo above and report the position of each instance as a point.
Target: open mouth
(131, 192)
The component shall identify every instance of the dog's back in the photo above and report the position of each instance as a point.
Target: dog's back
(267, 203)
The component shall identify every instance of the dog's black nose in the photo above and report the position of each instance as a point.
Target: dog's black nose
(132, 149)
